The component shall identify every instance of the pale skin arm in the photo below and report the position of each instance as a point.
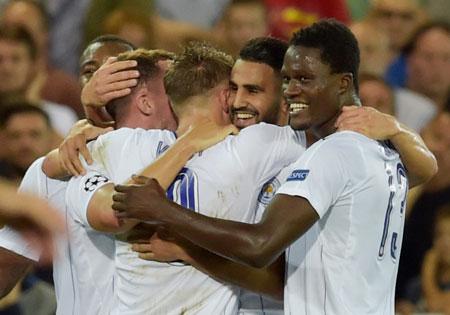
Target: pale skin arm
(419, 161)
(64, 161)
(100, 214)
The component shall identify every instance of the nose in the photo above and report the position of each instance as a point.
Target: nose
(291, 88)
(239, 100)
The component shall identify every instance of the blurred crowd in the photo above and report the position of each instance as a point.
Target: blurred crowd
(405, 71)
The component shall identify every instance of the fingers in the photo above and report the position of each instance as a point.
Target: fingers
(142, 248)
(66, 158)
(122, 188)
(119, 197)
(141, 180)
(147, 256)
(116, 66)
(70, 154)
(233, 130)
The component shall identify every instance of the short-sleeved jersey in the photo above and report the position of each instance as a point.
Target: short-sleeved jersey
(93, 264)
(346, 263)
(218, 182)
(37, 183)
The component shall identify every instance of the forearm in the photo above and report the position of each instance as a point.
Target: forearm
(216, 235)
(419, 161)
(52, 167)
(267, 281)
(170, 163)
(12, 268)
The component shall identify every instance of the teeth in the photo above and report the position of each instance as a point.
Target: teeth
(296, 107)
(244, 116)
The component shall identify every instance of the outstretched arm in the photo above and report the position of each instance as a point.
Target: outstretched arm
(419, 161)
(257, 245)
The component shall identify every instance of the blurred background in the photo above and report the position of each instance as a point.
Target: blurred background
(405, 71)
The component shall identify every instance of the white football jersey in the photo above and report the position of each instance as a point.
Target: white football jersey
(37, 183)
(93, 252)
(251, 303)
(223, 181)
(346, 263)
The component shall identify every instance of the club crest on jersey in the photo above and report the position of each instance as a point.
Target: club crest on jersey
(92, 182)
(299, 175)
(268, 191)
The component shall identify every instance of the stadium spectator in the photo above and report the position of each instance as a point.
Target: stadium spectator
(18, 61)
(242, 21)
(374, 92)
(48, 82)
(436, 193)
(27, 135)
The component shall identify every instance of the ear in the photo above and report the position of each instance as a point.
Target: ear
(144, 102)
(223, 99)
(346, 83)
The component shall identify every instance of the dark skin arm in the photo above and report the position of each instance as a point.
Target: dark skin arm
(258, 245)
(12, 268)
(267, 281)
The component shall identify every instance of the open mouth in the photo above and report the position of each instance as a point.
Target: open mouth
(243, 115)
(295, 108)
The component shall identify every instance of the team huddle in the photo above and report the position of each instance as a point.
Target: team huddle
(209, 198)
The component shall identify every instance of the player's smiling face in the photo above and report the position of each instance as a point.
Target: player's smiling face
(255, 94)
(309, 87)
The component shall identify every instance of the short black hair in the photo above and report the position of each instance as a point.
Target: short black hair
(110, 38)
(17, 106)
(267, 50)
(19, 34)
(412, 43)
(337, 44)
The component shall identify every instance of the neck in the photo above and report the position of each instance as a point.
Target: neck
(191, 112)
(328, 127)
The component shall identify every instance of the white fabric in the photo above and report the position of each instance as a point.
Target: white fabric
(93, 265)
(413, 110)
(37, 183)
(222, 181)
(339, 266)
(62, 117)
(251, 303)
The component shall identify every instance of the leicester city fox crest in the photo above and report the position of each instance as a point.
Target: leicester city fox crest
(268, 191)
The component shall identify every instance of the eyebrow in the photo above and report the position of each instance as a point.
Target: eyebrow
(253, 87)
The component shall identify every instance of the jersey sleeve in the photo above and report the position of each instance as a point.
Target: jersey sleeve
(319, 176)
(34, 180)
(80, 191)
(265, 149)
(14, 242)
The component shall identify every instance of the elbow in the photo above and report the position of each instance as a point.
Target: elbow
(427, 174)
(260, 253)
